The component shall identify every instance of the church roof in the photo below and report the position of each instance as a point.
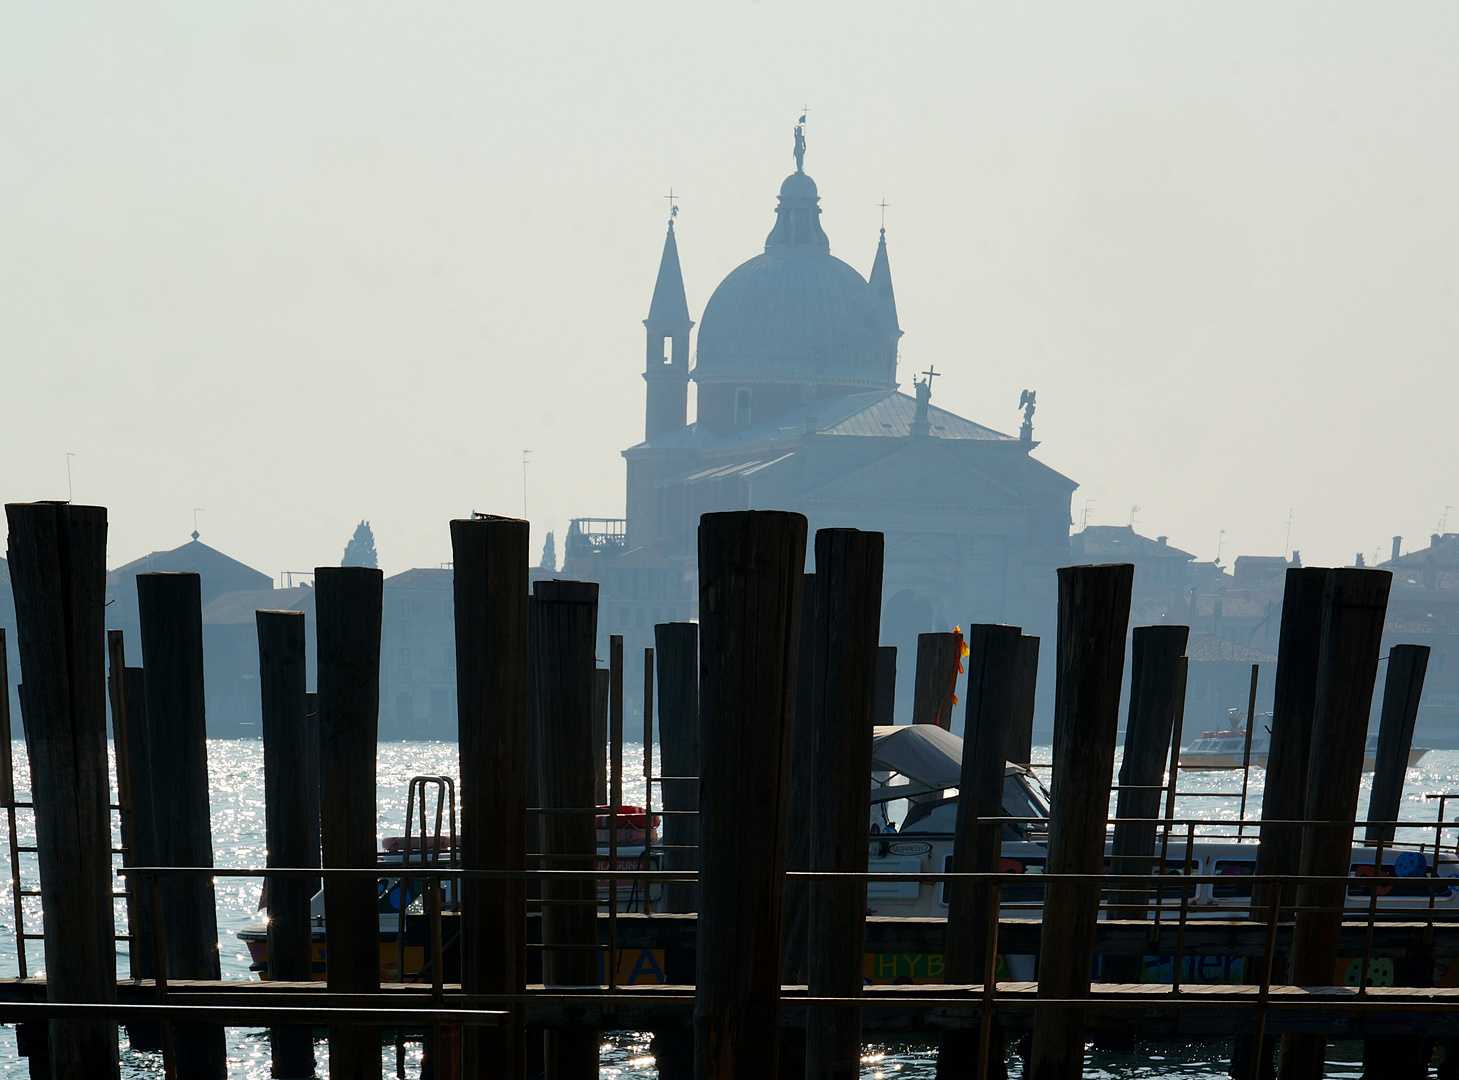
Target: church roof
(421, 577)
(669, 308)
(881, 414)
(195, 557)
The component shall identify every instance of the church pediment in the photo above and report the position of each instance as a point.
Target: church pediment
(925, 475)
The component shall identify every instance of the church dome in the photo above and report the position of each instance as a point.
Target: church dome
(797, 314)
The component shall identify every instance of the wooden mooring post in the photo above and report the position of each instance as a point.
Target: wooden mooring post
(1402, 689)
(932, 686)
(1294, 697)
(884, 713)
(1354, 604)
(992, 703)
(750, 566)
(1020, 735)
(676, 658)
(1399, 1057)
(1284, 795)
(348, 606)
(1155, 653)
(676, 655)
(602, 688)
(795, 909)
(843, 688)
(491, 598)
(1094, 612)
(57, 556)
(176, 745)
(287, 775)
(564, 671)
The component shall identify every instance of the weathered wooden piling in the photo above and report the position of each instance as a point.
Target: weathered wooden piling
(348, 604)
(1399, 1057)
(1294, 696)
(1155, 653)
(602, 688)
(1354, 604)
(932, 686)
(676, 654)
(57, 558)
(676, 659)
(1404, 686)
(287, 775)
(843, 701)
(992, 703)
(1284, 796)
(491, 599)
(120, 696)
(795, 910)
(1094, 612)
(314, 780)
(176, 744)
(750, 565)
(1020, 735)
(563, 669)
(884, 712)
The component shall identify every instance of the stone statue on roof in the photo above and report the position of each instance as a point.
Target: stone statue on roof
(800, 146)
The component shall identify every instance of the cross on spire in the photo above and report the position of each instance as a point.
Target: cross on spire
(883, 204)
(673, 209)
(931, 373)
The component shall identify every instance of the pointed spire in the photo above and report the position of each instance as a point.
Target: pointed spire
(881, 287)
(669, 308)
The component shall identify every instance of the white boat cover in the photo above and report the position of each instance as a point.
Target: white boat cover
(930, 758)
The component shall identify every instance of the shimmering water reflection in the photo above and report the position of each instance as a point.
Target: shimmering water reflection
(236, 773)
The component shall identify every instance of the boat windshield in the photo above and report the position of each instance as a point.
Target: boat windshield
(1023, 798)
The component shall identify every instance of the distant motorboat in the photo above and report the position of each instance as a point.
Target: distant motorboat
(1227, 749)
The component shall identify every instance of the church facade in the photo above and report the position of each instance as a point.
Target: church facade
(799, 408)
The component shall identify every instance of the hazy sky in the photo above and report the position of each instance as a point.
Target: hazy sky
(300, 265)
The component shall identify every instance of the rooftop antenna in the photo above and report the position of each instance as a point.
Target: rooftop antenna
(1133, 511)
(1287, 543)
(524, 483)
(70, 455)
(196, 511)
(1084, 523)
(1221, 539)
(1444, 519)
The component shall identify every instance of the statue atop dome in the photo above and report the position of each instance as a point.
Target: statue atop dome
(800, 146)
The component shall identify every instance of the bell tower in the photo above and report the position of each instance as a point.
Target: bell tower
(666, 366)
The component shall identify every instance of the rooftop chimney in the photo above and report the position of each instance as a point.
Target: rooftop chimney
(1434, 539)
(1397, 546)
(1296, 558)
(1161, 540)
(1360, 563)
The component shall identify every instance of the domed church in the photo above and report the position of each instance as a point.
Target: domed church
(799, 409)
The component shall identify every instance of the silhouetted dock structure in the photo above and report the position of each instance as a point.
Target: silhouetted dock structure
(508, 988)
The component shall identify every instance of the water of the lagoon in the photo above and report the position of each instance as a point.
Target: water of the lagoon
(236, 771)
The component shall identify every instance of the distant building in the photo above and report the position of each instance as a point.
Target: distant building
(799, 409)
(418, 656)
(229, 712)
(230, 655)
(1218, 679)
(1423, 609)
(1163, 571)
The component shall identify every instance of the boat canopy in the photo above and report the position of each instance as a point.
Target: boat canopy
(930, 758)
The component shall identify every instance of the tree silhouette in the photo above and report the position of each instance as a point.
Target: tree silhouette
(360, 551)
(549, 553)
